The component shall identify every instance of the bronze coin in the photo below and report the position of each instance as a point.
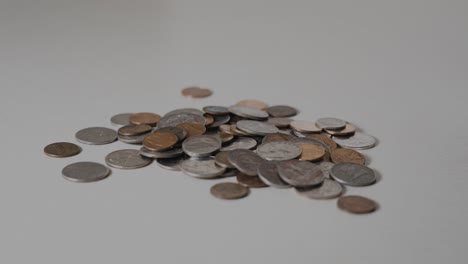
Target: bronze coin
(226, 129)
(189, 91)
(134, 130)
(237, 132)
(253, 103)
(357, 204)
(196, 92)
(250, 181)
(277, 137)
(225, 137)
(229, 191)
(305, 126)
(325, 140)
(344, 155)
(193, 129)
(347, 131)
(280, 122)
(208, 119)
(221, 159)
(180, 133)
(145, 119)
(62, 150)
(159, 141)
(311, 152)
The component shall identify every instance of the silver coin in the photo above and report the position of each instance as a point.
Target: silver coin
(326, 167)
(171, 163)
(299, 173)
(299, 134)
(96, 135)
(279, 150)
(220, 120)
(121, 119)
(268, 173)
(176, 119)
(248, 112)
(246, 161)
(221, 159)
(353, 174)
(216, 110)
(133, 139)
(280, 122)
(330, 123)
(85, 172)
(240, 143)
(256, 127)
(171, 153)
(127, 159)
(202, 168)
(329, 189)
(357, 141)
(193, 111)
(179, 132)
(201, 146)
(281, 111)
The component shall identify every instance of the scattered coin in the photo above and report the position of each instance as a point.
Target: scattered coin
(305, 126)
(357, 204)
(250, 181)
(193, 129)
(85, 172)
(276, 137)
(221, 159)
(229, 191)
(133, 139)
(256, 127)
(248, 112)
(62, 150)
(201, 168)
(96, 136)
(216, 110)
(159, 141)
(171, 163)
(177, 119)
(329, 189)
(134, 130)
(150, 119)
(280, 122)
(127, 159)
(281, 111)
(246, 161)
(121, 119)
(241, 143)
(253, 103)
(279, 150)
(196, 92)
(311, 152)
(357, 141)
(353, 174)
(347, 131)
(201, 146)
(268, 173)
(343, 155)
(300, 173)
(330, 123)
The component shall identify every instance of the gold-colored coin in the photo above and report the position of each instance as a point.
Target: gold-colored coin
(253, 103)
(344, 155)
(160, 141)
(151, 119)
(311, 152)
(325, 140)
(193, 129)
(347, 131)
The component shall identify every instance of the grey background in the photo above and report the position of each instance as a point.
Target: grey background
(397, 69)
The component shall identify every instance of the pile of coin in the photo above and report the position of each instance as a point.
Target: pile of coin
(259, 145)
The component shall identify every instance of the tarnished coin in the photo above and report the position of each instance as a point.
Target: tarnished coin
(353, 174)
(311, 152)
(134, 130)
(250, 181)
(325, 140)
(313, 141)
(237, 132)
(170, 153)
(347, 131)
(192, 111)
(241, 143)
(221, 159)
(279, 150)
(193, 129)
(226, 129)
(256, 127)
(209, 120)
(127, 159)
(96, 135)
(171, 163)
(277, 137)
(326, 167)
(330, 123)
(220, 120)
(216, 110)
(343, 155)
(246, 161)
(180, 133)
(201, 146)
(329, 189)
(253, 103)
(248, 112)
(62, 150)
(121, 119)
(176, 119)
(305, 126)
(85, 172)
(225, 137)
(280, 122)
(357, 141)
(268, 173)
(202, 168)
(281, 111)
(159, 141)
(357, 204)
(150, 119)
(229, 191)
(299, 173)
(132, 139)
(196, 92)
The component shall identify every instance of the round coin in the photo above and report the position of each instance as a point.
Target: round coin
(343, 155)
(347, 131)
(192, 111)
(216, 110)
(279, 150)
(248, 112)
(133, 139)
(329, 189)
(241, 143)
(253, 103)
(171, 163)
(180, 133)
(170, 153)
(127, 159)
(62, 150)
(311, 152)
(326, 167)
(353, 174)
(305, 126)
(357, 141)
(134, 130)
(281, 111)
(196, 92)
(159, 141)
(229, 191)
(221, 159)
(175, 119)
(357, 204)
(96, 135)
(330, 123)
(277, 137)
(201, 146)
(268, 173)
(85, 172)
(280, 122)
(325, 140)
(220, 120)
(250, 181)
(121, 119)
(300, 173)
(246, 161)
(150, 119)
(209, 119)
(193, 129)
(202, 168)
(256, 127)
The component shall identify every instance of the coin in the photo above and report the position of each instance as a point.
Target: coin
(330, 123)
(357, 204)
(325, 140)
(248, 112)
(329, 189)
(256, 127)
(268, 173)
(132, 139)
(96, 135)
(253, 103)
(201, 146)
(193, 129)
(281, 111)
(121, 119)
(220, 120)
(280, 122)
(216, 110)
(238, 132)
(347, 131)
(353, 174)
(279, 150)
(127, 159)
(326, 166)
(313, 141)
(299, 173)
(196, 92)
(225, 129)
(311, 152)
(357, 141)
(246, 161)
(180, 133)
(202, 168)
(229, 191)
(134, 130)
(305, 126)
(209, 120)
(192, 111)
(250, 181)
(150, 119)
(240, 143)
(170, 153)
(225, 137)
(85, 172)
(176, 119)
(160, 140)
(343, 155)
(171, 163)
(188, 91)
(221, 159)
(62, 150)
(277, 137)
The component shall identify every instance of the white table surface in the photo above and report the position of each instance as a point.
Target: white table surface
(397, 69)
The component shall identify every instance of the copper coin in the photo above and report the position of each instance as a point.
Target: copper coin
(253, 103)
(344, 155)
(159, 141)
(225, 137)
(305, 126)
(357, 204)
(277, 137)
(180, 133)
(193, 129)
(250, 181)
(229, 191)
(145, 119)
(209, 119)
(62, 150)
(311, 152)
(196, 92)
(325, 140)
(226, 129)
(347, 131)
(237, 132)
(189, 91)
(134, 130)
(221, 159)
